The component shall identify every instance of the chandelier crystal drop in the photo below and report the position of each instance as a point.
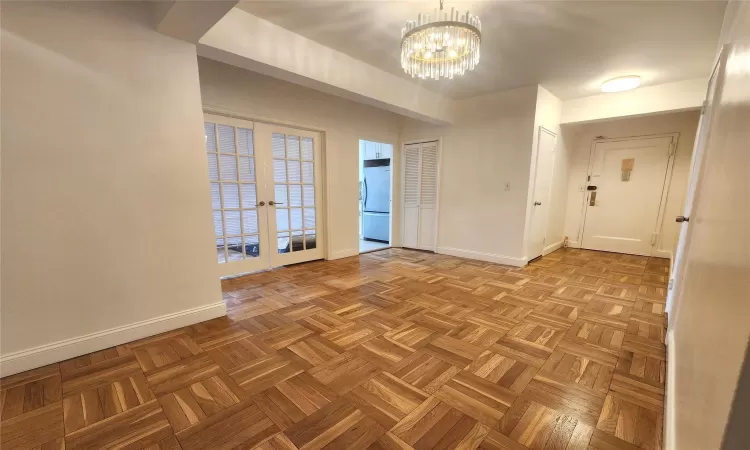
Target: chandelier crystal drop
(441, 44)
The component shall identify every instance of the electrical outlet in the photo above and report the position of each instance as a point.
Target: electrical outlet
(507, 185)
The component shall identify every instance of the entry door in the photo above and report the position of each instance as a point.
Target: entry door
(545, 160)
(236, 183)
(629, 178)
(293, 168)
(420, 195)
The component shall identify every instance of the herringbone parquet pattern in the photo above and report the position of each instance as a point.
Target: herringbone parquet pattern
(396, 349)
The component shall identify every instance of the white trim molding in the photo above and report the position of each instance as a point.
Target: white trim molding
(347, 252)
(574, 244)
(489, 257)
(551, 248)
(70, 348)
(670, 402)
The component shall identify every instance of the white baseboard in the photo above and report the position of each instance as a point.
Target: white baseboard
(574, 244)
(551, 248)
(670, 402)
(70, 348)
(347, 252)
(662, 254)
(489, 257)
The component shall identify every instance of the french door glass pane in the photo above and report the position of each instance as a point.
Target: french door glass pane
(280, 194)
(250, 221)
(252, 246)
(309, 194)
(220, 251)
(307, 172)
(215, 196)
(245, 141)
(232, 223)
(298, 243)
(234, 248)
(277, 146)
(231, 195)
(226, 139)
(213, 167)
(296, 215)
(247, 169)
(282, 219)
(292, 147)
(249, 196)
(309, 217)
(218, 224)
(279, 170)
(293, 171)
(307, 149)
(310, 240)
(295, 195)
(282, 242)
(228, 167)
(210, 130)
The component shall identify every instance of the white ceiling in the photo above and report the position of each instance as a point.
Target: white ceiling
(569, 47)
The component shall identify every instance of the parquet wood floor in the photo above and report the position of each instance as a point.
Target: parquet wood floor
(395, 349)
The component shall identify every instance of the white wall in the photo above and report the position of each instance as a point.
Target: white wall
(677, 96)
(547, 115)
(106, 208)
(579, 139)
(252, 95)
(489, 145)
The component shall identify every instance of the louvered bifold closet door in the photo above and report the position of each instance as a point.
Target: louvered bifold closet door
(411, 196)
(428, 195)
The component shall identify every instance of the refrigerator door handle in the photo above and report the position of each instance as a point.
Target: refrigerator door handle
(365, 201)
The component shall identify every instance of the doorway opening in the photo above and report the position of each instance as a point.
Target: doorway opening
(375, 192)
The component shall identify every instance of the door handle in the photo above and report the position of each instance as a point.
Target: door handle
(272, 203)
(537, 203)
(261, 204)
(681, 219)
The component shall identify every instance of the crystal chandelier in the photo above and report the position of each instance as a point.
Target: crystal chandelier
(440, 45)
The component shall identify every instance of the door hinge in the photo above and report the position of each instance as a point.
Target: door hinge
(703, 107)
(654, 238)
(671, 284)
(671, 149)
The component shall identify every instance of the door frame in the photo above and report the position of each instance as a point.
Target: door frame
(533, 187)
(326, 216)
(391, 209)
(656, 252)
(402, 194)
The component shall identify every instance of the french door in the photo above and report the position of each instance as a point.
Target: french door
(266, 194)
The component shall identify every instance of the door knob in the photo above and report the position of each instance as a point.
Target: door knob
(537, 203)
(261, 204)
(272, 203)
(681, 219)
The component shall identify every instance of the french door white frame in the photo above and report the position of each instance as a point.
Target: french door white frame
(664, 192)
(436, 228)
(324, 212)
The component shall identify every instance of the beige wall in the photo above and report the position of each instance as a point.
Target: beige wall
(579, 139)
(252, 95)
(489, 145)
(106, 212)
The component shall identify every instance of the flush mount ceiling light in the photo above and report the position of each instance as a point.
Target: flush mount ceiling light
(620, 84)
(440, 45)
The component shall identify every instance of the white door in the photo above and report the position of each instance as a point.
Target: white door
(410, 214)
(622, 212)
(292, 162)
(545, 160)
(428, 174)
(420, 195)
(240, 225)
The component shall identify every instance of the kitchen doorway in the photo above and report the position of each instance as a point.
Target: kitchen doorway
(375, 194)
